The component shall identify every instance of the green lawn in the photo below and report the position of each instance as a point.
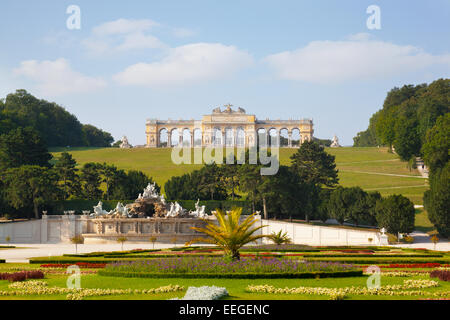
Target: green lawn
(371, 168)
(235, 287)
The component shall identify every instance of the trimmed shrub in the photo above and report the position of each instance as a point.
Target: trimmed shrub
(304, 275)
(22, 275)
(442, 275)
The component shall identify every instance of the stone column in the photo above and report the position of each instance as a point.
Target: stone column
(180, 137)
(192, 138)
(169, 139)
(289, 139)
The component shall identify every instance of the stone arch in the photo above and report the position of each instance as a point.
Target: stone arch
(186, 138)
(261, 136)
(273, 135)
(198, 137)
(163, 138)
(174, 137)
(240, 137)
(284, 137)
(217, 137)
(295, 137)
(229, 137)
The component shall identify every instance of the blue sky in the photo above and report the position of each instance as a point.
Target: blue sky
(133, 60)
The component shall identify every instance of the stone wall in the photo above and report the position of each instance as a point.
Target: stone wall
(322, 235)
(60, 228)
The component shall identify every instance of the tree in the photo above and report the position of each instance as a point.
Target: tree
(210, 181)
(407, 140)
(229, 178)
(153, 240)
(91, 178)
(436, 148)
(349, 204)
(110, 176)
(23, 146)
(396, 213)
(95, 137)
(314, 165)
(339, 204)
(76, 241)
(31, 187)
(249, 179)
(66, 168)
(122, 240)
(230, 234)
(53, 123)
(437, 199)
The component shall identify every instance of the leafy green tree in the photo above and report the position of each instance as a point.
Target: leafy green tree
(136, 182)
(210, 180)
(436, 148)
(249, 179)
(407, 140)
(437, 200)
(54, 124)
(65, 166)
(31, 187)
(395, 213)
(314, 165)
(23, 146)
(91, 180)
(95, 137)
(230, 178)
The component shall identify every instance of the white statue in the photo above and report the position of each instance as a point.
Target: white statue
(125, 144)
(335, 142)
(199, 211)
(98, 210)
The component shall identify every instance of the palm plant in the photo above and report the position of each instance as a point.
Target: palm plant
(230, 234)
(279, 238)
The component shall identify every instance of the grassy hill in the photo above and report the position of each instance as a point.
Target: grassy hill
(370, 168)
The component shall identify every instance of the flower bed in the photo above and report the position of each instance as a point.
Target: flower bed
(412, 265)
(41, 288)
(334, 293)
(22, 275)
(84, 265)
(443, 275)
(218, 267)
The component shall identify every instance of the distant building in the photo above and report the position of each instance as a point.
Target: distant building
(225, 128)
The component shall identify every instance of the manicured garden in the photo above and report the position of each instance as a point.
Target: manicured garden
(264, 272)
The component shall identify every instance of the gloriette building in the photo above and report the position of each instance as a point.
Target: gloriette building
(227, 127)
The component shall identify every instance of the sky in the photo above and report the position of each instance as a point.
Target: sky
(332, 61)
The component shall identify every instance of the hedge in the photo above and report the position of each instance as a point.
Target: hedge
(375, 260)
(303, 275)
(7, 247)
(2, 261)
(356, 255)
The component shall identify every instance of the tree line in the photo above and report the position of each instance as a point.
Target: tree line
(307, 189)
(407, 115)
(30, 182)
(56, 126)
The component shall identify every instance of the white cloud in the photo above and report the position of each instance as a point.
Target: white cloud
(122, 35)
(186, 64)
(55, 78)
(358, 58)
(124, 26)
